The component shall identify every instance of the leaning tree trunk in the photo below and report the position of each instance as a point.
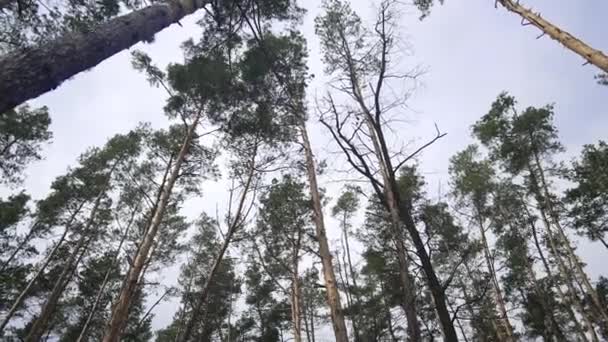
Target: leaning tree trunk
(17, 303)
(331, 289)
(121, 309)
(591, 55)
(41, 323)
(407, 283)
(28, 73)
(506, 324)
(102, 288)
(236, 223)
(599, 307)
(19, 247)
(570, 302)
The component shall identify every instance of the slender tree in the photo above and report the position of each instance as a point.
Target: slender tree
(361, 66)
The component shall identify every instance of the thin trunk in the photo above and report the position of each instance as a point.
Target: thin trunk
(296, 301)
(19, 248)
(41, 324)
(102, 288)
(121, 309)
(305, 315)
(591, 55)
(333, 296)
(599, 307)
(28, 73)
(236, 223)
(506, 324)
(312, 324)
(566, 299)
(353, 277)
(603, 241)
(407, 283)
(87, 235)
(17, 303)
(389, 317)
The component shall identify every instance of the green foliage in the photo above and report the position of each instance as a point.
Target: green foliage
(513, 138)
(22, 133)
(588, 198)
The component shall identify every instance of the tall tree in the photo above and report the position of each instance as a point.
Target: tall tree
(188, 161)
(472, 185)
(361, 62)
(524, 143)
(345, 208)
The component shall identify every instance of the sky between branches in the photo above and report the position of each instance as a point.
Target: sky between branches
(470, 51)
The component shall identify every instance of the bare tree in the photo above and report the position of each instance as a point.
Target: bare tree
(360, 62)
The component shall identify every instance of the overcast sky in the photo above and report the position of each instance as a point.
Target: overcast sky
(471, 52)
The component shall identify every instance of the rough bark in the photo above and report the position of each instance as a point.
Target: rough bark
(236, 223)
(332, 294)
(121, 309)
(591, 55)
(17, 303)
(28, 73)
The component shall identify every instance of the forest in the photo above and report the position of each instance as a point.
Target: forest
(282, 192)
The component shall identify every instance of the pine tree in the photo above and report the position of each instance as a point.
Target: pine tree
(22, 132)
(360, 60)
(588, 199)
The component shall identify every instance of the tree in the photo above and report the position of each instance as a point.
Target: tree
(588, 199)
(26, 74)
(345, 208)
(22, 132)
(529, 17)
(286, 62)
(99, 168)
(200, 275)
(524, 143)
(187, 161)
(472, 185)
(360, 63)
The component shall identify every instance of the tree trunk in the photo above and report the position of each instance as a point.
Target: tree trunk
(236, 223)
(28, 73)
(333, 296)
(506, 324)
(566, 299)
(591, 55)
(121, 309)
(296, 310)
(34, 279)
(19, 248)
(407, 283)
(353, 276)
(102, 288)
(41, 324)
(599, 307)
(87, 235)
